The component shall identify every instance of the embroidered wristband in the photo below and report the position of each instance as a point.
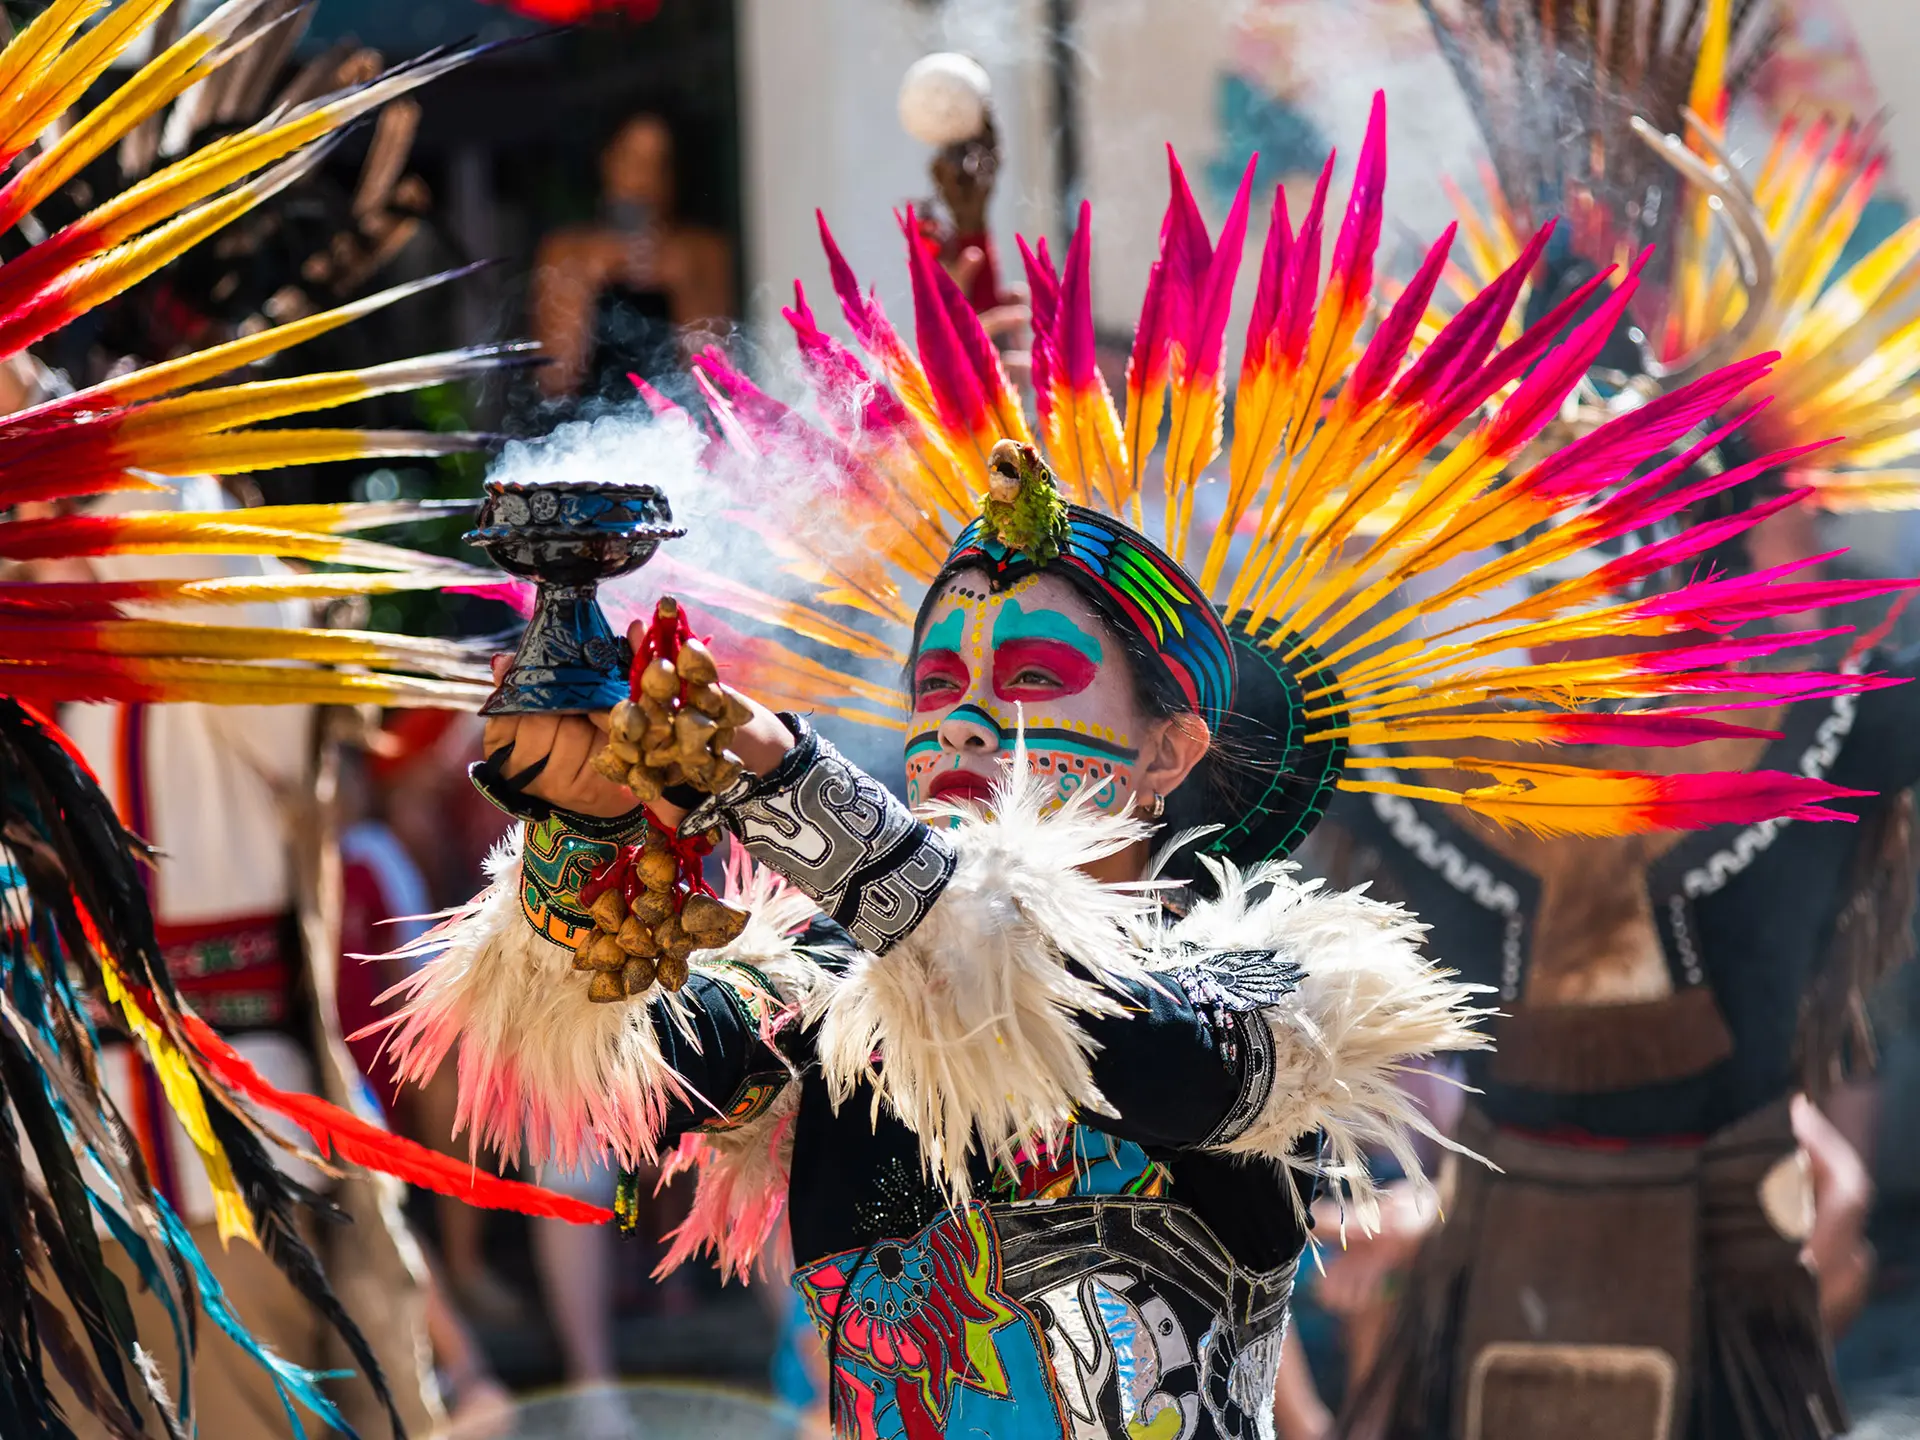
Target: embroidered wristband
(838, 834)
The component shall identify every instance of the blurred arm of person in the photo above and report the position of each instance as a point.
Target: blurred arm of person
(568, 275)
(1836, 1249)
(1298, 1411)
(698, 273)
(1361, 1279)
(478, 1403)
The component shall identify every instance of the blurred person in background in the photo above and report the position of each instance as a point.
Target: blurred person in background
(236, 801)
(392, 816)
(624, 293)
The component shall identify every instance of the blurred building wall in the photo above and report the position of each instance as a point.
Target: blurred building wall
(819, 81)
(1888, 32)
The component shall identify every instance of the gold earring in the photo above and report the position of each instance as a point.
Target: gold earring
(1159, 806)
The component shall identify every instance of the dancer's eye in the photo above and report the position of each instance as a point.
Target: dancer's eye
(939, 676)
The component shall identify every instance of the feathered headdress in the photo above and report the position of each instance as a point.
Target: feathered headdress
(1365, 544)
(1746, 264)
(76, 935)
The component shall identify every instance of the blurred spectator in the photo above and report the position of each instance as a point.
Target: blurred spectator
(610, 298)
(393, 817)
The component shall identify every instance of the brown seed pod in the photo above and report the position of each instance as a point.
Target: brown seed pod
(698, 769)
(650, 907)
(661, 758)
(628, 753)
(672, 972)
(645, 784)
(636, 938)
(637, 976)
(708, 700)
(609, 766)
(675, 942)
(605, 987)
(726, 770)
(630, 724)
(668, 608)
(696, 665)
(738, 712)
(711, 922)
(691, 731)
(608, 911)
(607, 954)
(660, 680)
(658, 869)
(583, 952)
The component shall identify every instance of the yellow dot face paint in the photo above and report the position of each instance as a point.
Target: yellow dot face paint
(1035, 651)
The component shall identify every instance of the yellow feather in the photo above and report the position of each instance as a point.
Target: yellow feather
(25, 62)
(182, 1089)
(220, 682)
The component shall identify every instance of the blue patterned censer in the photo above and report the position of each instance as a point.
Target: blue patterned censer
(567, 537)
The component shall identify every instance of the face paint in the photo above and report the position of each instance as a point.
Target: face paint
(1036, 650)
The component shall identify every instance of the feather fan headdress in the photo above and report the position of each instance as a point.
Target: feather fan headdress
(76, 935)
(1372, 521)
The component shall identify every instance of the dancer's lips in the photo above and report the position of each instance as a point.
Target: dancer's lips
(961, 786)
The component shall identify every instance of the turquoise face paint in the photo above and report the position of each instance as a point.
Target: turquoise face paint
(1014, 623)
(945, 634)
(1036, 651)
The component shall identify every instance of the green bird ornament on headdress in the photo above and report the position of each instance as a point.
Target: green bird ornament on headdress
(1023, 509)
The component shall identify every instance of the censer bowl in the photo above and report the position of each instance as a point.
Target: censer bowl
(567, 537)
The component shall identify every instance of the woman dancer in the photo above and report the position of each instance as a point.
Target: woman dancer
(1042, 1128)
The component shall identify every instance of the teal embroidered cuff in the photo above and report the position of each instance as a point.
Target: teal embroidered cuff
(561, 852)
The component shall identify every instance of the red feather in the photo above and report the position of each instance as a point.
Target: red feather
(335, 1132)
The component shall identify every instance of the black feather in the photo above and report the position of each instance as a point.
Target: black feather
(64, 1221)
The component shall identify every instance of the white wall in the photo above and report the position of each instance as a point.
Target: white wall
(820, 80)
(1889, 36)
(820, 77)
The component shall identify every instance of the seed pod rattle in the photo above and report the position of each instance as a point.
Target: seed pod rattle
(652, 909)
(679, 720)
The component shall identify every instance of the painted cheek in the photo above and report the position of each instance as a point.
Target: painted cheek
(925, 759)
(1113, 794)
(1072, 671)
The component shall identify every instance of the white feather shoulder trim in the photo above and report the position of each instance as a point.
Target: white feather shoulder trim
(542, 1069)
(1367, 1001)
(966, 1028)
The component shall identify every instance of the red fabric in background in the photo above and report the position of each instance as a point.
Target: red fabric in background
(569, 12)
(364, 905)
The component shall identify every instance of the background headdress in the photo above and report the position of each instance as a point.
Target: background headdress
(76, 934)
(1366, 458)
(1745, 264)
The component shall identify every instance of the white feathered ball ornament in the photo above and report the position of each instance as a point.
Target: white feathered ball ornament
(944, 99)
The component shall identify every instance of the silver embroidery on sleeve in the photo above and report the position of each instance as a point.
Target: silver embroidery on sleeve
(843, 838)
(1233, 987)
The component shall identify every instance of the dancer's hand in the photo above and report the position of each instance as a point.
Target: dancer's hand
(568, 743)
